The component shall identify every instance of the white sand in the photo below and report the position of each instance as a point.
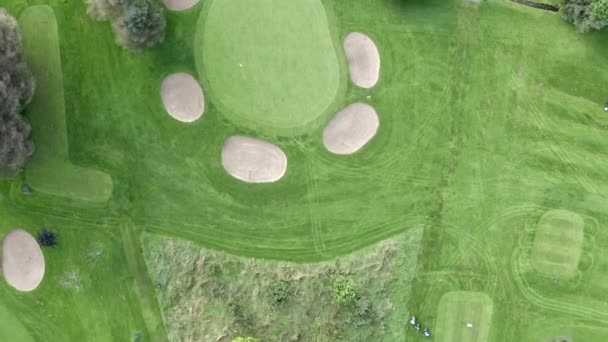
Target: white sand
(363, 59)
(183, 97)
(180, 5)
(22, 260)
(351, 128)
(252, 160)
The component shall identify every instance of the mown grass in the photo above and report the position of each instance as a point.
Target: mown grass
(211, 296)
(87, 293)
(50, 170)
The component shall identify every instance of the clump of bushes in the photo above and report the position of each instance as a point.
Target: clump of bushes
(277, 292)
(137, 24)
(343, 289)
(16, 91)
(586, 15)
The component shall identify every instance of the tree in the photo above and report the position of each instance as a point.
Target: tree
(600, 9)
(581, 13)
(137, 24)
(47, 238)
(16, 91)
(343, 289)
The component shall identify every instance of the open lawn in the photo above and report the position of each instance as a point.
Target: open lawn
(490, 118)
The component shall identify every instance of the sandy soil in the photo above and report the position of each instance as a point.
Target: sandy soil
(183, 97)
(180, 5)
(363, 59)
(351, 128)
(22, 260)
(252, 160)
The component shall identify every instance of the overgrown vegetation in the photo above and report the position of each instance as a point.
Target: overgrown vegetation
(16, 91)
(213, 296)
(586, 15)
(138, 24)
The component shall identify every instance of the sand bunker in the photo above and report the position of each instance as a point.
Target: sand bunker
(363, 59)
(351, 129)
(180, 5)
(183, 97)
(252, 160)
(22, 260)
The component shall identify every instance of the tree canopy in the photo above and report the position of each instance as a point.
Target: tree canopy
(16, 91)
(138, 24)
(586, 15)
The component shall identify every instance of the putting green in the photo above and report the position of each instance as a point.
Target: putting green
(458, 308)
(270, 65)
(50, 170)
(558, 243)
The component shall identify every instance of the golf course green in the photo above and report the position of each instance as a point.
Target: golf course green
(488, 162)
(270, 65)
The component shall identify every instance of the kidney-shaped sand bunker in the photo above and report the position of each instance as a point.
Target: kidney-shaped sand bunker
(253, 160)
(350, 129)
(183, 97)
(363, 59)
(180, 5)
(22, 260)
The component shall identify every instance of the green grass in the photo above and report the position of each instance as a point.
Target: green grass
(458, 308)
(557, 243)
(49, 170)
(490, 116)
(279, 301)
(270, 65)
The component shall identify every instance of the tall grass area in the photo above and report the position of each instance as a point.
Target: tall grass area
(207, 295)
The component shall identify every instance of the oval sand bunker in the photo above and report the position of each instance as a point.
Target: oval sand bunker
(363, 59)
(183, 97)
(352, 128)
(180, 5)
(22, 260)
(253, 160)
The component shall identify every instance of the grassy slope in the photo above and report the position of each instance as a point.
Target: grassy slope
(275, 90)
(230, 294)
(50, 171)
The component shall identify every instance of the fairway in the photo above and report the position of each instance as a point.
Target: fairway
(458, 308)
(271, 65)
(558, 242)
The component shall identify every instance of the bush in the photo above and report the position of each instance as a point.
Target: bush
(47, 238)
(278, 291)
(343, 289)
(137, 24)
(16, 91)
(581, 13)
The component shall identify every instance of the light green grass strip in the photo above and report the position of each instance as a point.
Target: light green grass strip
(50, 171)
(456, 309)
